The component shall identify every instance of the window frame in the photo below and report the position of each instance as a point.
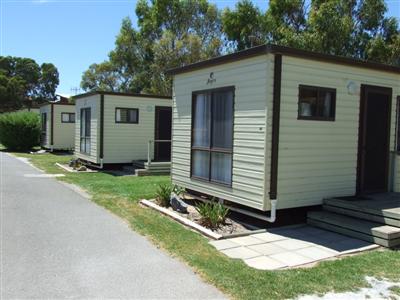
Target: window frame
(211, 149)
(84, 137)
(127, 108)
(69, 117)
(318, 89)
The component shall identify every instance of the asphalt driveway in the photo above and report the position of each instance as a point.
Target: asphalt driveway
(55, 243)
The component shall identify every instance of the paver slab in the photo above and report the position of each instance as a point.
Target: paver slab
(264, 263)
(292, 259)
(269, 237)
(224, 244)
(267, 248)
(241, 252)
(316, 253)
(246, 240)
(292, 244)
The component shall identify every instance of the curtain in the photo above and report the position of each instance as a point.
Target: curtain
(222, 120)
(200, 163)
(221, 170)
(201, 121)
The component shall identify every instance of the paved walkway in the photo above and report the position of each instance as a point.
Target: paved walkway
(57, 244)
(289, 247)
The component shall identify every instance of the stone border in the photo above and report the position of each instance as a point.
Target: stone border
(68, 169)
(182, 220)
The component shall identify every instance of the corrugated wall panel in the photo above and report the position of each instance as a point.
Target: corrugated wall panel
(252, 79)
(318, 159)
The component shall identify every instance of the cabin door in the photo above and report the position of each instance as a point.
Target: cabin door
(374, 140)
(162, 135)
(43, 129)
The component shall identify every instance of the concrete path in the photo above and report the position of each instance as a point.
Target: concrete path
(289, 247)
(57, 244)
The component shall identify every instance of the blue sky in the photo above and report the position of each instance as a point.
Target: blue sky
(72, 34)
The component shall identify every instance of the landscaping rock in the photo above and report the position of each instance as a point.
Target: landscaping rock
(82, 168)
(178, 204)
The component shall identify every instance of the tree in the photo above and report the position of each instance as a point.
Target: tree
(103, 77)
(354, 28)
(244, 25)
(22, 79)
(168, 31)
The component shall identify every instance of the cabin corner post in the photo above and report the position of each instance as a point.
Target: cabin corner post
(273, 193)
(101, 128)
(52, 127)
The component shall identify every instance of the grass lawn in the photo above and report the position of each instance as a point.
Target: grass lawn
(121, 194)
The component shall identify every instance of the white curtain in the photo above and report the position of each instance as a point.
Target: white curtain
(327, 104)
(201, 121)
(222, 120)
(200, 163)
(118, 115)
(221, 170)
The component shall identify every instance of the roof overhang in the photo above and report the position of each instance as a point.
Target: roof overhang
(269, 48)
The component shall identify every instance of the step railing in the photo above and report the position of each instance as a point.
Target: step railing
(149, 147)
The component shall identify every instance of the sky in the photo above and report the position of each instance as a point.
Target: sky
(72, 34)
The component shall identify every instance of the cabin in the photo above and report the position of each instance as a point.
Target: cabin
(119, 128)
(273, 128)
(57, 125)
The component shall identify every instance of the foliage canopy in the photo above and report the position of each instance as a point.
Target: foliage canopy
(172, 33)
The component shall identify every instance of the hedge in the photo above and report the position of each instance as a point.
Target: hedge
(19, 130)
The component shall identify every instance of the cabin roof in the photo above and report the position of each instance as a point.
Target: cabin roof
(120, 94)
(288, 51)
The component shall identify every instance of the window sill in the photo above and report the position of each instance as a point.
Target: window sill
(211, 182)
(316, 119)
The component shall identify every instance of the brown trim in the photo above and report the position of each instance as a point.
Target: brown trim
(362, 132)
(275, 49)
(128, 108)
(67, 113)
(121, 94)
(157, 110)
(318, 89)
(52, 126)
(55, 103)
(210, 149)
(397, 128)
(101, 126)
(276, 111)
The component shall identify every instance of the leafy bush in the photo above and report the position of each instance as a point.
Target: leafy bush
(178, 190)
(163, 194)
(19, 130)
(212, 214)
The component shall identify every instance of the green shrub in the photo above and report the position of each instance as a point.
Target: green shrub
(212, 214)
(19, 130)
(163, 194)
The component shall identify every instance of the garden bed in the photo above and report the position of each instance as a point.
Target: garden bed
(67, 168)
(229, 228)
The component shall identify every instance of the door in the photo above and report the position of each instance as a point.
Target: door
(162, 136)
(43, 129)
(374, 140)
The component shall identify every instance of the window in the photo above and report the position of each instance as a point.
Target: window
(67, 117)
(127, 115)
(316, 103)
(212, 135)
(85, 130)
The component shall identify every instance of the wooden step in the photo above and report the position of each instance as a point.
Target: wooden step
(362, 215)
(387, 209)
(146, 172)
(384, 235)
